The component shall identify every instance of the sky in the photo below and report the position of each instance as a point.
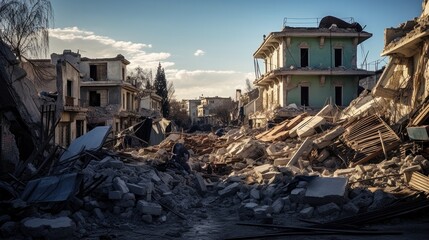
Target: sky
(206, 46)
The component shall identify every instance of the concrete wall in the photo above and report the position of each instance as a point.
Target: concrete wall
(113, 94)
(320, 93)
(114, 69)
(320, 57)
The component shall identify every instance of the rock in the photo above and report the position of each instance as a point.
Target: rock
(149, 208)
(119, 185)
(364, 199)
(55, 228)
(380, 200)
(115, 195)
(79, 218)
(297, 194)
(201, 185)
(262, 168)
(350, 208)
(271, 174)
(277, 205)
(346, 171)
(328, 209)
(99, 214)
(281, 161)
(4, 218)
(255, 194)
(147, 218)
(246, 212)
(324, 154)
(8, 229)
(229, 190)
(137, 189)
(263, 212)
(110, 162)
(306, 212)
(414, 168)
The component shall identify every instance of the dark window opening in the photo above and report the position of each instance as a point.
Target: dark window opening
(304, 96)
(94, 99)
(79, 128)
(338, 57)
(339, 96)
(98, 72)
(69, 88)
(304, 57)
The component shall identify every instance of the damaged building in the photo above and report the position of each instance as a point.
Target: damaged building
(309, 66)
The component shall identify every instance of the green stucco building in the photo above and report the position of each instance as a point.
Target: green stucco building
(309, 66)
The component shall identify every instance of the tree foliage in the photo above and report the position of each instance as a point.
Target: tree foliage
(24, 26)
(223, 112)
(161, 88)
(179, 115)
(142, 78)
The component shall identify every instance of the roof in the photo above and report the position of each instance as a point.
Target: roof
(275, 38)
(119, 57)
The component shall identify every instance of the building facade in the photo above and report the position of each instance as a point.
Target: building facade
(206, 111)
(309, 66)
(191, 107)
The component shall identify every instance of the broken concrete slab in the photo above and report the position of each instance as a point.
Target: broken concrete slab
(55, 228)
(306, 212)
(229, 190)
(120, 185)
(328, 209)
(305, 146)
(201, 185)
(149, 208)
(137, 189)
(52, 188)
(281, 161)
(321, 190)
(91, 141)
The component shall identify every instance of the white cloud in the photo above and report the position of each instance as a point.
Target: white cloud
(193, 84)
(199, 52)
(188, 84)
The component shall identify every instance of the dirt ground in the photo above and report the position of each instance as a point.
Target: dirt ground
(218, 220)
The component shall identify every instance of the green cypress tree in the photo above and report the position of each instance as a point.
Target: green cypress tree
(160, 85)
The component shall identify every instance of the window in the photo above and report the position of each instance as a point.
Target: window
(69, 88)
(338, 61)
(98, 72)
(94, 99)
(304, 57)
(304, 96)
(79, 128)
(339, 95)
(64, 134)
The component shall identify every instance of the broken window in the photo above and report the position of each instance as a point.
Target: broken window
(69, 88)
(98, 72)
(94, 99)
(304, 96)
(338, 61)
(338, 95)
(304, 57)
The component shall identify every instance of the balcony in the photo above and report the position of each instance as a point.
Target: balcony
(73, 104)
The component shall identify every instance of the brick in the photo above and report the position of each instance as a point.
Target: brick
(115, 195)
(149, 208)
(137, 189)
(306, 212)
(119, 184)
(328, 209)
(229, 190)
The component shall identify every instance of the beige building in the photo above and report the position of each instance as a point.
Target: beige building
(150, 103)
(191, 107)
(207, 107)
(59, 78)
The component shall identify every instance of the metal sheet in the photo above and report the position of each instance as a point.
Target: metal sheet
(91, 141)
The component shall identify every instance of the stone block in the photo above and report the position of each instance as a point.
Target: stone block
(271, 174)
(201, 185)
(323, 190)
(328, 209)
(137, 189)
(364, 199)
(414, 168)
(120, 185)
(55, 228)
(255, 194)
(149, 208)
(297, 194)
(79, 218)
(306, 212)
(147, 218)
(277, 205)
(115, 195)
(262, 168)
(99, 214)
(345, 171)
(281, 161)
(229, 190)
(350, 208)
(381, 199)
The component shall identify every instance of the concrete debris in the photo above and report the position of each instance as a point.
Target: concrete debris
(309, 166)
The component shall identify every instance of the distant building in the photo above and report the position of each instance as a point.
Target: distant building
(208, 106)
(191, 107)
(309, 66)
(150, 103)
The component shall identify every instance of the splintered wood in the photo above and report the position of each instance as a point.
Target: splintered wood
(281, 131)
(369, 137)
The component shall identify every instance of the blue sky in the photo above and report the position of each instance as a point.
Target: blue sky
(226, 33)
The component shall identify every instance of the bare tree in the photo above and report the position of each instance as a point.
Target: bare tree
(249, 86)
(24, 26)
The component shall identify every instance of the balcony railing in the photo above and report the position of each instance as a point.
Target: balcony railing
(72, 103)
(69, 101)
